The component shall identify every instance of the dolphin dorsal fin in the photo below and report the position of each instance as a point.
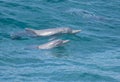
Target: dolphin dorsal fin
(30, 30)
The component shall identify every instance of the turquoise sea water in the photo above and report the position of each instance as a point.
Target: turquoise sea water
(91, 56)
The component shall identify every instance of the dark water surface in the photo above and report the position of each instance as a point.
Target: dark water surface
(91, 56)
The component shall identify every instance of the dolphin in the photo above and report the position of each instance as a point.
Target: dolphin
(52, 31)
(53, 44)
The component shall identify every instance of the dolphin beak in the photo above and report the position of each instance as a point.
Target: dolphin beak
(76, 31)
(65, 41)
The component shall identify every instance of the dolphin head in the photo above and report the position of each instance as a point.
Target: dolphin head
(69, 30)
(65, 41)
(66, 30)
(58, 42)
(75, 31)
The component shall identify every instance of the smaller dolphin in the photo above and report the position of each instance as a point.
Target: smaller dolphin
(52, 31)
(53, 44)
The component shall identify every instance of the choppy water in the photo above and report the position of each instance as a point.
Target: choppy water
(92, 55)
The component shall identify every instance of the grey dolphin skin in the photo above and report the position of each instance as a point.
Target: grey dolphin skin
(52, 31)
(53, 44)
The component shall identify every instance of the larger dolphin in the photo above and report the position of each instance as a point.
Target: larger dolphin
(52, 31)
(53, 44)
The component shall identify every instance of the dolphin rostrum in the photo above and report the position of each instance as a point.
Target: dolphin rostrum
(53, 44)
(52, 31)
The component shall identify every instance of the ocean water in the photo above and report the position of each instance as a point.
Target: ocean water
(93, 55)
